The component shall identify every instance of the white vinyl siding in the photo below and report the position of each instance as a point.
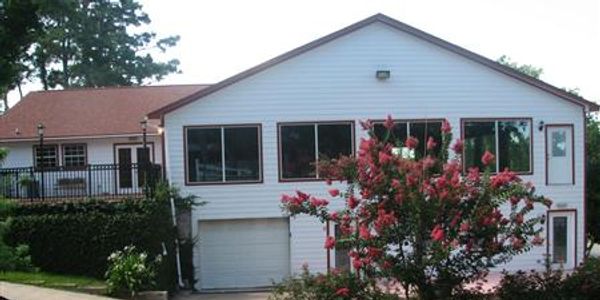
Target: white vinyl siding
(336, 81)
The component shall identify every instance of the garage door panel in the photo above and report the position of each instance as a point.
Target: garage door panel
(243, 253)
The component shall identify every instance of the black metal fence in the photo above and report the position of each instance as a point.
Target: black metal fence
(102, 181)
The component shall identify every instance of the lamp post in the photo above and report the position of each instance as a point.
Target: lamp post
(144, 124)
(40, 131)
(144, 165)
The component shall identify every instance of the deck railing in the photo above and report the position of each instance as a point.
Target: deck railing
(102, 181)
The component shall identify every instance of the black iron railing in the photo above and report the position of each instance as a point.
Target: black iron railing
(105, 181)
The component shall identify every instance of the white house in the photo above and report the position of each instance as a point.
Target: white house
(92, 140)
(241, 143)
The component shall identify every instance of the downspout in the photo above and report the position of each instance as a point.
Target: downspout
(177, 256)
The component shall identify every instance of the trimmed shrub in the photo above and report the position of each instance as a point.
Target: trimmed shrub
(77, 237)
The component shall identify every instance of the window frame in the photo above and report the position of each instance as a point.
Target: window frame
(57, 156)
(315, 124)
(496, 120)
(222, 128)
(85, 155)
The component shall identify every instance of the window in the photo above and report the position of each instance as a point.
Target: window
(223, 154)
(342, 257)
(302, 145)
(46, 157)
(74, 155)
(420, 130)
(559, 240)
(508, 140)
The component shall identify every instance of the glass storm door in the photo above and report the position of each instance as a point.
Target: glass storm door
(561, 238)
(129, 159)
(559, 154)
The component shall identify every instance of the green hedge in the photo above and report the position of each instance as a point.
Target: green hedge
(77, 238)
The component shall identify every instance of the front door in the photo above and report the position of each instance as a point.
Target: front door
(129, 158)
(562, 239)
(559, 154)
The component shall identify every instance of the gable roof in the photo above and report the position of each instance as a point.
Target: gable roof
(562, 94)
(88, 112)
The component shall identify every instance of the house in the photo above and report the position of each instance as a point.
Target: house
(241, 143)
(92, 141)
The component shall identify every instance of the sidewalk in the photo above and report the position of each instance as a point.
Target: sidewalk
(13, 291)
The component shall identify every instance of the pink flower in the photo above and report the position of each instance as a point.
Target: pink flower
(465, 226)
(343, 292)
(389, 122)
(517, 243)
(431, 143)
(437, 234)
(446, 128)
(364, 232)
(286, 198)
(537, 240)
(487, 158)
(458, 146)
(329, 242)
(333, 215)
(334, 192)
(352, 202)
(316, 202)
(519, 219)
(384, 158)
(411, 142)
(357, 263)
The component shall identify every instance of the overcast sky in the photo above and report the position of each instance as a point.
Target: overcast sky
(221, 38)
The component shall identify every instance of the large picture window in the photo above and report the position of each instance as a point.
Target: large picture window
(508, 140)
(74, 155)
(420, 130)
(223, 154)
(46, 157)
(302, 145)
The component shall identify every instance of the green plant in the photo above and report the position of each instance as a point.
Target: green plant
(75, 238)
(335, 285)
(131, 271)
(584, 282)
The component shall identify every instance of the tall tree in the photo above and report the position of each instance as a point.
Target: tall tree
(592, 183)
(97, 43)
(18, 25)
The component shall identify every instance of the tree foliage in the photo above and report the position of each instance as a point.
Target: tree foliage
(592, 182)
(72, 43)
(18, 24)
(421, 222)
(530, 70)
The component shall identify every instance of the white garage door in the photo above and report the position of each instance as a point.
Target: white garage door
(243, 253)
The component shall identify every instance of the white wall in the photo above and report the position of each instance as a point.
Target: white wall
(99, 150)
(336, 82)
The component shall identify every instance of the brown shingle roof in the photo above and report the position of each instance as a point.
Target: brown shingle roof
(89, 112)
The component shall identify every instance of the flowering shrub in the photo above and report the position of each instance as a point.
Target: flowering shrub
(337, 285)
(423, 222)
(130, 271)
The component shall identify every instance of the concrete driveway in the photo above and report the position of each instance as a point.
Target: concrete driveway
(13, 291)
(222, 296)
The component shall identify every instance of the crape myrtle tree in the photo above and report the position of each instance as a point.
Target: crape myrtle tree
(423, 223)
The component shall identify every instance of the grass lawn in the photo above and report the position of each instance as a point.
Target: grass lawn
(68, 282)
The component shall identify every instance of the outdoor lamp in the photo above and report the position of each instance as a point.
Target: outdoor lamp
(40, 129)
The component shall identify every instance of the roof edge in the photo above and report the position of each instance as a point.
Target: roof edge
(586, 104)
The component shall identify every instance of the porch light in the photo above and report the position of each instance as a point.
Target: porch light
(40, 129)
(383, 74)
(541, 126)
